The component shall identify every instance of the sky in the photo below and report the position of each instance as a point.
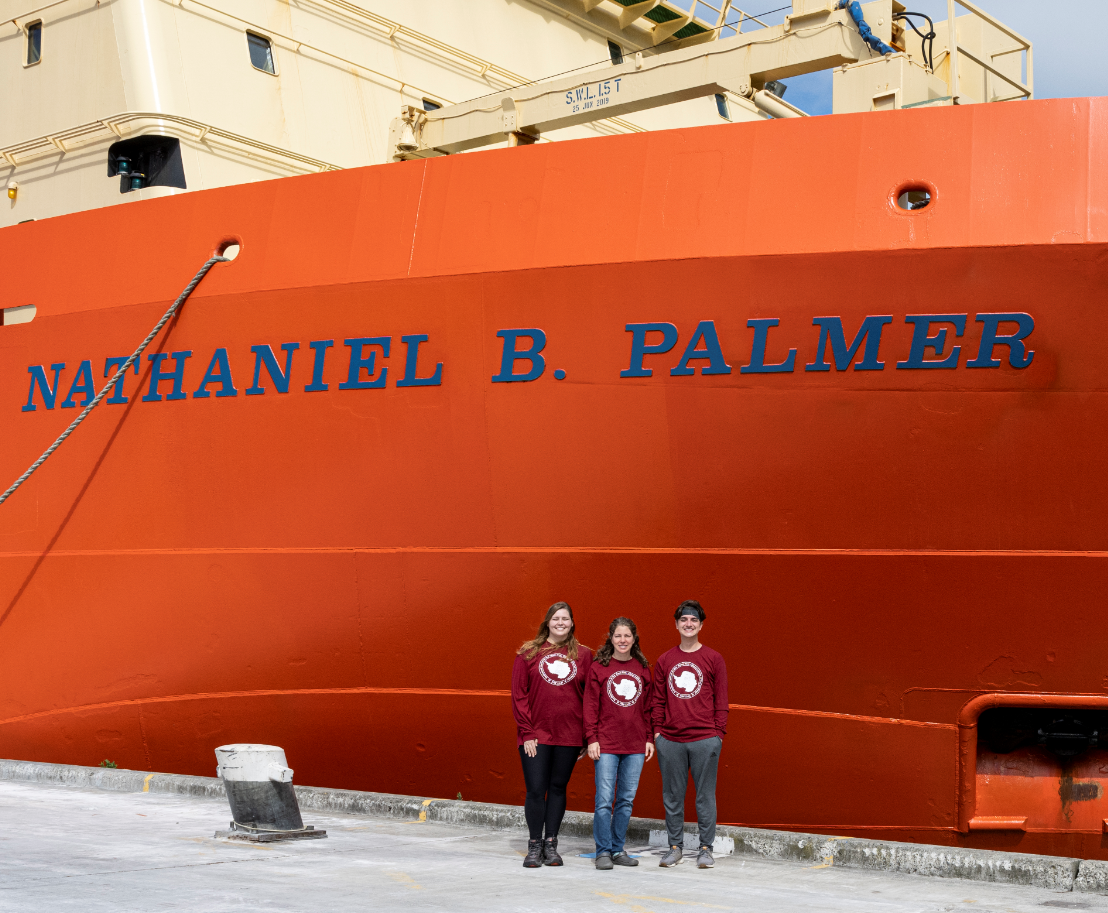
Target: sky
(1067, 38)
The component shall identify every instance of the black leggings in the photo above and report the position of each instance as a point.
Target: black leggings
(546, 776)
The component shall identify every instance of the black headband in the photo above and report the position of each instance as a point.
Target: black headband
(689, 610)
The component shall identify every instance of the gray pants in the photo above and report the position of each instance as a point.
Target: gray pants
(676, 760)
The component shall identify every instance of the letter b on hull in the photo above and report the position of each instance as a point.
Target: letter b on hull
(511, 354)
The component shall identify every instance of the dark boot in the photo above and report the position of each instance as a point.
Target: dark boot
(534, 855)
(550, 851)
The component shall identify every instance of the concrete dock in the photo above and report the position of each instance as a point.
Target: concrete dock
(68, 848)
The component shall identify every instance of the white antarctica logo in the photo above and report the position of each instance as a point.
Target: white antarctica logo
(685, 680)
(624, 688)
(557, 668)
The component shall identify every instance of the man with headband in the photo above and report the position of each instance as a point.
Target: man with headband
(690, 720)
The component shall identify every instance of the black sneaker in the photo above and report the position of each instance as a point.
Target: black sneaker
(550, 852)
(604, 860)
(533, 859)
(624, 859)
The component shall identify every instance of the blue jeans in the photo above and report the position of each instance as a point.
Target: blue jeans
(609, 829)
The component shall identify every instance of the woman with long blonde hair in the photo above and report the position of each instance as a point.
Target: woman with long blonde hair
(548, 681)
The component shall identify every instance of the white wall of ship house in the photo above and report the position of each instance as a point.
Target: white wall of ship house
(331, 100)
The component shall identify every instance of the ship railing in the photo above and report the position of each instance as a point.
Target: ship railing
(729, 21)
(725, 28)
(673, 24)
(119, 126)
(989, 69)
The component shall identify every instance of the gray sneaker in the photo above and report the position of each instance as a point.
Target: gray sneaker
(704, 858)
(604, 860)
(673, 857)
(624, 859)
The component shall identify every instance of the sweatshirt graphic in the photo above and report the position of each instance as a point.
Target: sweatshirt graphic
(690, 695)
(617, 707)
(546, 696)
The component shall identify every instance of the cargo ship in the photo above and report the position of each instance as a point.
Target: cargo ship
(559, 300)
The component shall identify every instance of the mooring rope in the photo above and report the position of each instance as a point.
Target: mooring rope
(118, 374)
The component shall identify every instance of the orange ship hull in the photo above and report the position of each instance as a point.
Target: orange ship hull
(347, 572)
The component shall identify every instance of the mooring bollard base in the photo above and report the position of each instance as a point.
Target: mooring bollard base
(252, 835)
(258, 784)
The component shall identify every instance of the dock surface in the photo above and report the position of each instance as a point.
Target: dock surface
(65, 848)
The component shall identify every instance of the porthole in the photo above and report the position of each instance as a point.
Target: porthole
(615, 52)
(229, 248)
(261, 53)
(429, 105)
(34, 44)
(913, 199)
(721, 107)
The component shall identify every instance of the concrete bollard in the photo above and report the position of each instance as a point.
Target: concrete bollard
(259, 789)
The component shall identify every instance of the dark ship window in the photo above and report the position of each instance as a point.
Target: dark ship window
(721, 107)
(429, 105)
(261, 53)
(616, 53)
(146, 161)
(913, 199)
(34, 43)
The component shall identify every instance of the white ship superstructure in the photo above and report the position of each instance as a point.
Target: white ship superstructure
(110, 101)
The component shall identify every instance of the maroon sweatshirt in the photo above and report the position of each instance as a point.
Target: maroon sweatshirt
(617, 707)
(690, 695)
(546, 696)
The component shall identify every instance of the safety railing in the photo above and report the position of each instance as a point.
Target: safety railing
(727, 21)
(956, 52)
(129, 123)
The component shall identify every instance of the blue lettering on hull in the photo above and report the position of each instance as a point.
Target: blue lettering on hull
(521, 361)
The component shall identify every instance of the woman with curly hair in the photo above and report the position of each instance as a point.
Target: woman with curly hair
(548, 681)
(617, 728)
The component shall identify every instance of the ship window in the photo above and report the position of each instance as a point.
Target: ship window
(23, 314)
(429, 105)
(616, 53)
(34, 43)
(261, 53)
(721, 107)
